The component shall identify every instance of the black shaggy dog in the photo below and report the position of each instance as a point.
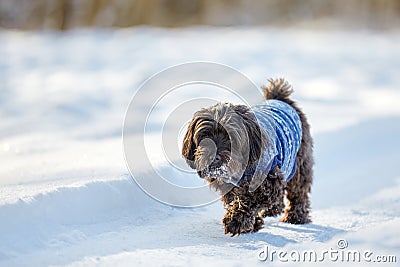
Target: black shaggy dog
(226, 144)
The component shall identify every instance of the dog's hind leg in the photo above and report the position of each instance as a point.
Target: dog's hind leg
(299, 187)
(297, 193)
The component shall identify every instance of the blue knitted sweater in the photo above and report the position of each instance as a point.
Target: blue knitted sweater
(282, 124)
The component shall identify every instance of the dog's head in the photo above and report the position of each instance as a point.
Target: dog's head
(222, 141)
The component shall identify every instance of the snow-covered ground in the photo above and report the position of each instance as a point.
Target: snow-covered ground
(66, 196)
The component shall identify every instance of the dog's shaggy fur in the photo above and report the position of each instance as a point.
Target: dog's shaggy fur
(215, 138)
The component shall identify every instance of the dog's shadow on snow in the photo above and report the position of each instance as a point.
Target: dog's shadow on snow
(282, 234)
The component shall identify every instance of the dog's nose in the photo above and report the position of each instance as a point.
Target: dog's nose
(217, 160)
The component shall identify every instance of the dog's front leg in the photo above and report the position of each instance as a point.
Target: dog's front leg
(240, 216)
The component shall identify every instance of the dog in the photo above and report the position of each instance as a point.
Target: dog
(255, 157)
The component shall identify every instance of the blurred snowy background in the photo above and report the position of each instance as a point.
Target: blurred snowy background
(68, 70)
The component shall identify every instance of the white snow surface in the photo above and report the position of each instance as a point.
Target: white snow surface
(67, 198)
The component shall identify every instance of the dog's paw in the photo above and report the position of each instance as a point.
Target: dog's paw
(295, 219)
(259, 224)
(236, 226)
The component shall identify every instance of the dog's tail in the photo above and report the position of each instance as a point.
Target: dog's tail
(278, 89)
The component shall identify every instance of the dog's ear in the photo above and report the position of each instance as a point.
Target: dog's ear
(258, 140)
(189, 147)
